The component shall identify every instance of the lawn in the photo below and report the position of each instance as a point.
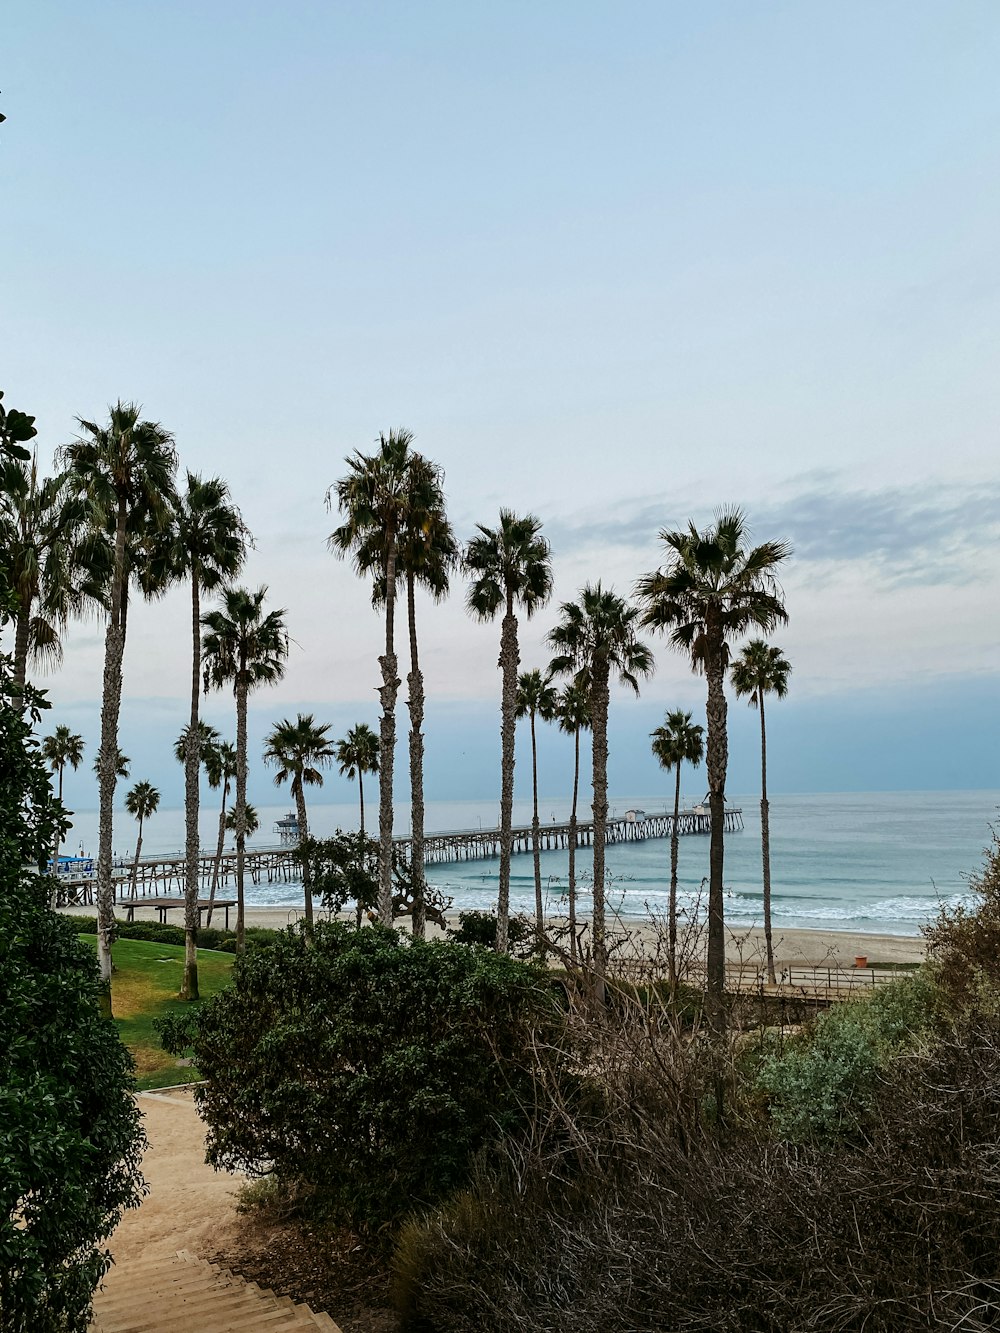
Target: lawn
(144, 986)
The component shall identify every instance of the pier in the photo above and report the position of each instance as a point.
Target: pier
(161, 876)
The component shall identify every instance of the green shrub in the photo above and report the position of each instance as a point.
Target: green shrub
(156, 932)
(481, 928)
(372, 1067)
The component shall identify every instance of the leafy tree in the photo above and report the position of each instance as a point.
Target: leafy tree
(61, 748)
(206, 542)
(678, 742)
(339, 869)
(16, 429)
(713, 590)
(510, 567)
(141, 802)
(370, 1069)
(300, 750)
(245, 648)
(595, 637)
(70, 1135)
(573, 712)
(357, 754)
(125, 471)
(536, 697)
(759, 670)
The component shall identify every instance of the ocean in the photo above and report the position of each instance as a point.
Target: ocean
(880, 862)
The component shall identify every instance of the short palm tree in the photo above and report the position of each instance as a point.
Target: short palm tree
(573, 713)
(124, 470)
(536, 698)
(206, 542)
(595, 637)
(678, 742)
(243, 647)
(61, 748)
(251, 820)
(374, 499)
(714, 589)
(141, 802)
(220, 768)
(510, 567)
(357, 754)
(760, 670)
(121, 764)
(208, 736)
(300, 750)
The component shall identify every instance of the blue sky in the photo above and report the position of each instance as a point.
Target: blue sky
(615, 264)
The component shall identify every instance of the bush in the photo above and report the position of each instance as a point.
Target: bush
(209, 937)
(481, 928)
(370, 1067)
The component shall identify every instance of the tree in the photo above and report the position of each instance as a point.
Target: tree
(121, 764)
(759, 670)
(357, 754)
(595, 637)
(374, 500)
(61, 748)
(16, 429)
(714, 588)
(245, 648)
(251, 820)
(220, 769)
(206, 543)
(535, 698)
(141, 802)
(679, 741)
(125, 471)
(39, 524)
(573, 712)
(300, 750)
(510, 568)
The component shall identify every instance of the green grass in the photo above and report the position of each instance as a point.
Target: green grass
(144, 986)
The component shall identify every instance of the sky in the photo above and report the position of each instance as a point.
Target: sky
(617, 265)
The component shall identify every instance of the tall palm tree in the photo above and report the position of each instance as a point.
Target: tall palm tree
(39, 527)
(714, 589)
(573, 712)
(678, 742)
(357, 754)
(536, 698)
(595, 637)
(220, 769)
(245, 648)
(510, 568)
(761, 669)
(125, 471)
(374, 499)
(141, 802)
(121, 764)
(61, 748)
(300, 750)
(206, 542)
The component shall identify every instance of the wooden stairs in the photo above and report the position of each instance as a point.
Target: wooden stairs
(182, 1292)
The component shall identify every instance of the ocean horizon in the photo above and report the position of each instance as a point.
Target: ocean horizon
(882, 862)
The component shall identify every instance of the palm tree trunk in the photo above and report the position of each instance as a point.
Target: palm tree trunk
(192, 763)
(298, 790)
(535, 836)
(364, 850)
(22, 626)
(387, 739)
(114, 650)
(765, 841)
(415, 681)
(599, 700)
(135, 863)
(675, 842)
(241, 801)
(572, 847)
(717, 758)
(509, 661)
(216, 868)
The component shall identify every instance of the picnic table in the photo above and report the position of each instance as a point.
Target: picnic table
(163, 905)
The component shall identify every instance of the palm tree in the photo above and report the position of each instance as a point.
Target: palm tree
(208, 736)
(141, 802)
(535, 698)
(220, 768)
(39, 525)
(596, 637)
(245, 648)
(573, 712)
(121, 764)
(61, 748)
(251, 820)
(713, 590)
(511, 568)
(357, 754)
(678, 742)
(125, 471)
(206, 542)
(374, 499)
(759, 670)
(300, 750)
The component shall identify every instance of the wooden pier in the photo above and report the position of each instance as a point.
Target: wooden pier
(160, 876)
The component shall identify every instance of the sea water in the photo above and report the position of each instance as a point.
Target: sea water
(881, 862)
